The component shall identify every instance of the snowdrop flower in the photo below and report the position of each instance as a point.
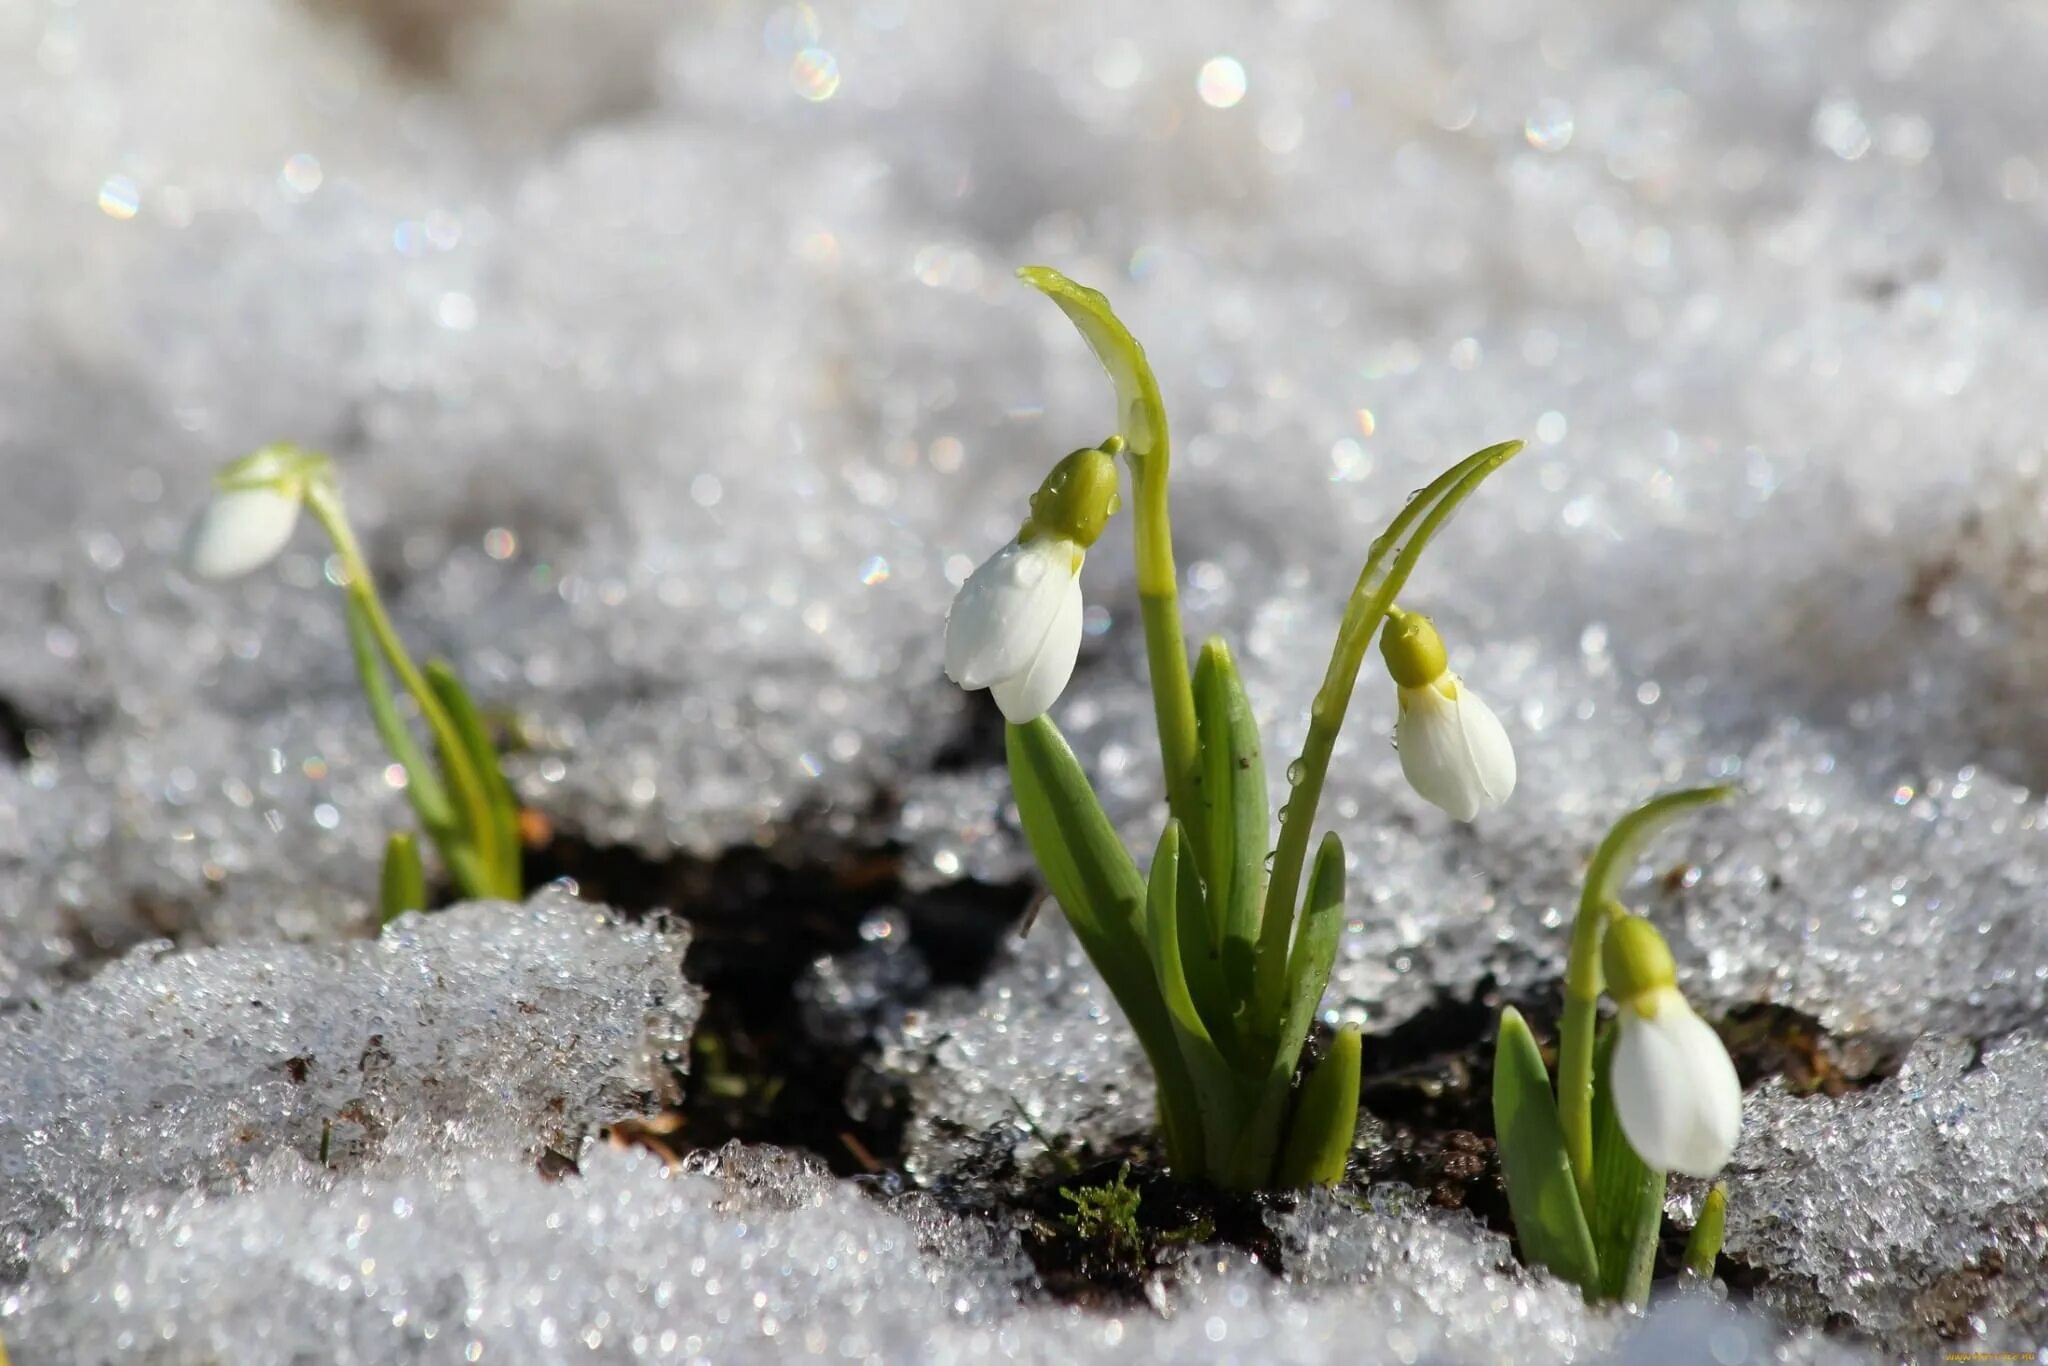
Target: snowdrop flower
(1015, 625)
(255, 506)
(1675, 1090)
(1453, 750)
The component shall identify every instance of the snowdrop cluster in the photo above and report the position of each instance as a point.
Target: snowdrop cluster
(461, 796)
(1652, 1092)
(1219, 953)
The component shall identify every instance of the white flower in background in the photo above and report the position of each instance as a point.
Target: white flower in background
(1454, 752)
(1015, 626)
(1675, 1089)
(255, 507)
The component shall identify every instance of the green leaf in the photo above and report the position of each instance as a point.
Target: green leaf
(403, 886)
(422, 784)
(475, 738)
(1098, 887)
(1202, 959)
(1215, 1085)
(1238, 826)
(1541, 1193)
(1314, 952)
(1703, 1247)
(1628, 1197)
(1325, 1117)
(1141, 416)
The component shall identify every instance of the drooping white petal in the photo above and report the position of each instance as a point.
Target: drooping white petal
(1675, 1090)
(1454, 751)
(1029, 695)
(239, 530)
(1002, 613)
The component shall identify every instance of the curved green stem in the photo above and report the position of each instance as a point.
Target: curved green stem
(1575, 1037)
(470, 792)
(1141, 422)
(1370, 599)
(1582, 984)
(1166, 651)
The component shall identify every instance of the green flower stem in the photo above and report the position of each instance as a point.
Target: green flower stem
(1703, 1247)
(1166, 651)
(1576, 1033)
(1370, 599)
(1597, 906)
(484, 879)
(1141, 423)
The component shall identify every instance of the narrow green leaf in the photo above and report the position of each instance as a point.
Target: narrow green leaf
(1314, 952)
(1628, 1198)
(1201, 959)
(1541, 1194)
(1308, 977)
(1325, 1117)
(1163, 929)
(1098, 887)
(422, 784)
(1234, 793)
(1703, 1246)
(1216, 1086)
(475, 738)
(403, 886)
(1141, 416)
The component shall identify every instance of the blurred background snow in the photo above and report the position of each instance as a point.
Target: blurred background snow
(676, 374)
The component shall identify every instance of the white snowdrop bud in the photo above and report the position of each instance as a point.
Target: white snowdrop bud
(250, 518)
(1454, 752)
(1675, 1089)
(1015, 625)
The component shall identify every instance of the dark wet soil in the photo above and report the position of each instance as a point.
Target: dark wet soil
(760, 917)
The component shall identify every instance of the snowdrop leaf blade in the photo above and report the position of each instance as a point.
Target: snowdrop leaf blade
(1325, 1117)
(1201, 959)
(1703, 1245)
(1628, 1197)
(403, 884)
(1542, 1196)
(423, 784)
(1313, 954)
(1307, 978)
(1163, 931)
(475, 739)
(1141, 416)
(1104, 898)
(1215, 1084)
(1239, 824)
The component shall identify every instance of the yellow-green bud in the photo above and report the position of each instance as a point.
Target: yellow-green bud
(1637, 959)
(1414, 651)
(281, 466)
(1076, 499)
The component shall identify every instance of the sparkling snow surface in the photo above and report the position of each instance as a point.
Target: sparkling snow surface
(673, 364)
